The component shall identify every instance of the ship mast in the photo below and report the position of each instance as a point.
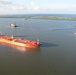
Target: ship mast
(12, 36)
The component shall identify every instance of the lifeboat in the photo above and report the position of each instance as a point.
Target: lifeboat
(19, 42)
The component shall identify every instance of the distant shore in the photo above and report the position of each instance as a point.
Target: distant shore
(55, 18)
(41, 18)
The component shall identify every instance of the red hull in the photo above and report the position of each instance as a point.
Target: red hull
(19, 42)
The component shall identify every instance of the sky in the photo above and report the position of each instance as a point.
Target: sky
(37, 6)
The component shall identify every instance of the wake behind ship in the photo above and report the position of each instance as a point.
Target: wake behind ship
(19, 42)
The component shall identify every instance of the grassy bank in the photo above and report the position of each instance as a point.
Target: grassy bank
(40, 18)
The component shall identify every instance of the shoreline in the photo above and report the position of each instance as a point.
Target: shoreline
(41, 18)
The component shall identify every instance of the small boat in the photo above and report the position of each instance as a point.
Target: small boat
(74, 33)
(13, 25)
(19, 42)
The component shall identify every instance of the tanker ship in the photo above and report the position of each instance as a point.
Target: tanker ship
(19, 42)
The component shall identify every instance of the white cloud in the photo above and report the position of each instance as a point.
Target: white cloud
(13, 9)
(5, 2)
(57, 9)
(18, 7)
(32, 3)
(34, 7)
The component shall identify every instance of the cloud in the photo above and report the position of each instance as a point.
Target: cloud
(5, 2)
(32, 3)
(18, 7)
(52, 9)
(10, 10)
(33, 6)
(13, 9)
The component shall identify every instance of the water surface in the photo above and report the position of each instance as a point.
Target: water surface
(56, 56)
